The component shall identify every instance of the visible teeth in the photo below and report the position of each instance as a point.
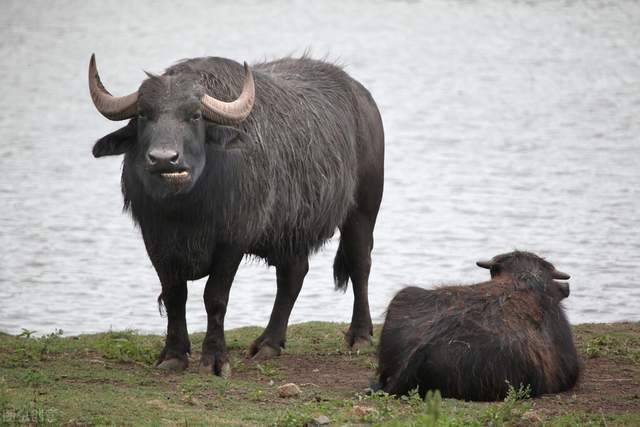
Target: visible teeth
(181, 174)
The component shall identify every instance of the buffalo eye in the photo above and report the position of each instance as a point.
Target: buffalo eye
(196, 116)
(142, 115)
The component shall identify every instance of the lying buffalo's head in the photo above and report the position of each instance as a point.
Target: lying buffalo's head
(172, 118)
(530, 268)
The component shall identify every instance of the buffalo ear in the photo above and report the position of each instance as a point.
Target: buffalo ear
(117, 142)
(227, 137)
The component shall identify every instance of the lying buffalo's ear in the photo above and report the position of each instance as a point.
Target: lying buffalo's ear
(227, 137)
(117, 142)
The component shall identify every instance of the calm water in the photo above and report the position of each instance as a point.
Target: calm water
(509, 125)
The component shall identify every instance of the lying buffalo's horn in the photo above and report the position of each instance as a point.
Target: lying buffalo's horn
(231, 113)
(112, 107)
(485, 264)
(560, 275)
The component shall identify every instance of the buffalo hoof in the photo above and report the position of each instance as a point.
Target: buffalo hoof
(361, 343)
(266, 352)
(357, 342)
(224, 371)
(173, 365)
(216, 363)
(262, 349)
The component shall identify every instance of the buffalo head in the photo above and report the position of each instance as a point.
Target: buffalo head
(172, 120)
(527, 266)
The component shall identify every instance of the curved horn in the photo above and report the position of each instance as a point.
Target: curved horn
(232, 113)
(485, 264)
(112, 107)
(560, 275)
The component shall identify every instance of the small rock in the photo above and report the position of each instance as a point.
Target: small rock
(289, 390)
(322, 420)
(361, 411)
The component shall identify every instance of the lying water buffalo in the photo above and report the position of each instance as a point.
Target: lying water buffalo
(212, 174)
(471, 342)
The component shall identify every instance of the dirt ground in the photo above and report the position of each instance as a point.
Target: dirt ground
(608, 383)
(335, 372)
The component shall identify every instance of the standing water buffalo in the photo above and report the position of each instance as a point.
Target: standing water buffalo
(471, 342)
(212, 174)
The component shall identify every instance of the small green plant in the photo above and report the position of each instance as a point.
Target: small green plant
(610, 345)
(237, 365)
(26, 333)
(267, 369)
(433, 403)
(189, 387)
(22, 357)
(386, 405)
(293, 419)
(412, 398)
(29, 349)
(34, 379)
(599, 346)
(511, 409)
(128, 346)
(222, 386)
(255, 394)
(29, 413)
(4, 396)
(520, 393)
(195, 387)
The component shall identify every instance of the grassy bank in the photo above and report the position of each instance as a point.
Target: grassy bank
(108, 379)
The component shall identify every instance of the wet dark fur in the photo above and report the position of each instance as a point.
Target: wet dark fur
(468, 341)
(282, 193)
(307, 160)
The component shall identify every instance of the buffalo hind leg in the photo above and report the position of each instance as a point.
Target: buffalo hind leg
(177, 346)
(353, 260)
(290, 276)
(215, 357)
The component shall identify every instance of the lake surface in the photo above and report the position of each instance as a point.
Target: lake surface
(508, 125)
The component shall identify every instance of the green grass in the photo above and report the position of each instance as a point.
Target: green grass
(605, 341)
(109, 379)
(614, 345)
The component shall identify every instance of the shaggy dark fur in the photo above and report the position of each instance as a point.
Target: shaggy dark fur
(307, 160)
(471, 342)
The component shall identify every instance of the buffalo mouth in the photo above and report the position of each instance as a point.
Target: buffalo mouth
(175, 178)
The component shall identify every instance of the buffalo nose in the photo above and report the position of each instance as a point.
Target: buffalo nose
(162, 157)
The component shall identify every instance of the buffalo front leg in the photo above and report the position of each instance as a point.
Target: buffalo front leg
(290, 276)
(215, 358)
(177, 346)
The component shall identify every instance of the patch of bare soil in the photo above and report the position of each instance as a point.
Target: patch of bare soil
(607, 384)
(338, 372)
